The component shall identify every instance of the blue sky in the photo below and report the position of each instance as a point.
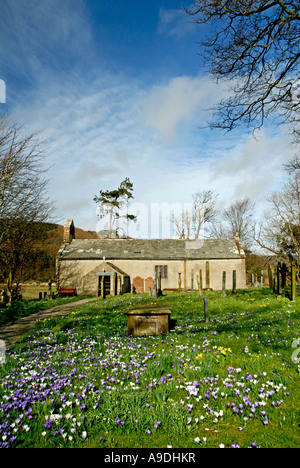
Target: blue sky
(117, 89)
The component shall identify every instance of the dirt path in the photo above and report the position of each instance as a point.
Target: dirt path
(12, 331)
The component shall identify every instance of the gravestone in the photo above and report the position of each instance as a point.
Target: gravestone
(200, 284)
(224, 285)
(234, 282)
(179, 282)
(206, 313)
(261, 278)
(207, 276)
(148, 320)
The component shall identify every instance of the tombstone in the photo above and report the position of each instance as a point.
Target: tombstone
(192, 280)
(150, 292)
(224, 285)
(256, 283)
(252, 280)
(206, 313)
(293, 281)
(234, 282)
(179, 282)
(147, 320)
(201, 283)
(261, 284)
(207, 276)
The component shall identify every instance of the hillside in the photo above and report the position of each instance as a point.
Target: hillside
(54, 238)
(41, 266)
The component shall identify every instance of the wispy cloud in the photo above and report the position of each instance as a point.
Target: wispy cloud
(40, 39)
(174, 22)
(171, 105)
(102, 126)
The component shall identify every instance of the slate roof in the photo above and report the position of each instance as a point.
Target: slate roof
(151, 249)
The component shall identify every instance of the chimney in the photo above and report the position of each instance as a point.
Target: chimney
(69, 231)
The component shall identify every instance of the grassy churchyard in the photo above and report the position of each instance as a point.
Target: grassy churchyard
(81, 381)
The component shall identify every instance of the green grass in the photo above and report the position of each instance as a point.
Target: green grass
(80, 381)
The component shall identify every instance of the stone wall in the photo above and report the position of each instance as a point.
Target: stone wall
(82, 273)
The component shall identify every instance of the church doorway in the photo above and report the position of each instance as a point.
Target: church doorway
(105, 280)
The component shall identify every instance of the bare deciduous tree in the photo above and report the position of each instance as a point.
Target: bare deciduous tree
(279, 231)
(191, 222)
(293, 165)
(237, 219)
(255, 46)
(204, 209)
(24, 205)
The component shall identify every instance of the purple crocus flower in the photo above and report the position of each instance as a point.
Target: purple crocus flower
(48, 424)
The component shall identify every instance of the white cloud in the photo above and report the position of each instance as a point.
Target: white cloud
(174, 22)
(171, 105)
(42, 37)
(101, 126)
(99, 134)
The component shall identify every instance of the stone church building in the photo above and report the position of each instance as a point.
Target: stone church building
(118, 265)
